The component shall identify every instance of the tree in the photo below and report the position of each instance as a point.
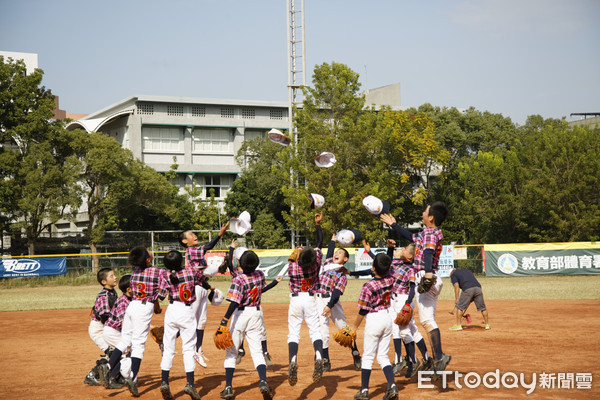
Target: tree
(38, 168)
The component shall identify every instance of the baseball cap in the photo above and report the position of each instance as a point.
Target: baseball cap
(275, 135)
(316, 200)
(348, 236)
(325, 160)
(240, 225)
(237, 253)
(376, 206)
(217, 298)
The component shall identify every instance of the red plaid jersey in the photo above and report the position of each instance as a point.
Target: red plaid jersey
(184, 290)
(375, 294)
(403, 274)
(104, 302)
(428, 238)
(304, 279)
(118, 312)
(247, 289)
(149, 284)
(330, 280)
(194, 257)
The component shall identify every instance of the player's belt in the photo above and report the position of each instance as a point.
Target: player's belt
(243, 308)
(323, 295)
(186, 304)
(298, 294)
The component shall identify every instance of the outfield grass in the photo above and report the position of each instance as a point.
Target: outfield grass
(577, 287)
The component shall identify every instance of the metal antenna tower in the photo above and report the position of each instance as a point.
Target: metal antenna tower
(296, 51)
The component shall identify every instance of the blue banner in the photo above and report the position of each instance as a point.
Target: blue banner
(28, 267)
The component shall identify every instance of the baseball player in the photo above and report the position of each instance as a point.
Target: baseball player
(331, 285)
(180, 318)
(303, 275)
(195, 257)
(374, 306)
(149, 284)
(244, 310)
(428, 247)
(100, 313)
(463, 279)
(112, 330)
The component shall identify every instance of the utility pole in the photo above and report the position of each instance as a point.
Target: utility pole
(296, 51)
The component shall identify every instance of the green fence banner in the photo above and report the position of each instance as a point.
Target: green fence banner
(581, 258)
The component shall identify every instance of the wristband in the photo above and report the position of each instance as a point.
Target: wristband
(224, 322)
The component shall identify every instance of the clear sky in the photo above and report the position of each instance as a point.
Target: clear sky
(513, 57)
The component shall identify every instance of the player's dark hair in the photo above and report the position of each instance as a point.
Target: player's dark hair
(249, 261)
(102, 274)
(182, 237)
(439, 212)
(138, 256)
(125, 282)
(307, 257)
(173, 262)
(346, 254)
(382, 263)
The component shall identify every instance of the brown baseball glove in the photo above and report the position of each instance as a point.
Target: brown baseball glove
(404, 316)
(345, 336)
(295, 254)
(157, 334)
(426, 284)
(223, 339)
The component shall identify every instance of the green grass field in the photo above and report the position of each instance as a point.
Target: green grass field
(54, 297)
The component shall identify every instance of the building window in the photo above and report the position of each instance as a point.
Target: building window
(248, 113)
(175, 110)
(227, 112)
(276, 113)
(147, 109)
(162, 138)
(198, 111)
(250, 134)
(219, 184)
(215, 140)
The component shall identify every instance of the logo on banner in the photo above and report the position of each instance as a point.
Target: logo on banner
(21, 266)
(508, 263)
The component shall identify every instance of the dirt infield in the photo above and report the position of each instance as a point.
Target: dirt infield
(46, 355)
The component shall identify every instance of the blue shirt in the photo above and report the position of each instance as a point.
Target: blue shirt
(464, 278)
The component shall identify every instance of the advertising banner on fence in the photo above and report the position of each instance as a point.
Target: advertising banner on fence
(28, 267)
(542, 259)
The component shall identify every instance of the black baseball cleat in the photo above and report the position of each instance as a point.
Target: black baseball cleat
(165, 390)
(412, 369)
(326, 365)
(132, 386)
(268, 361)
(391, 394)
(440, 365)
(190, 390)
(241, 353)
(398, 367)
(293, 373)
(92, 378)
(427, 364)
(114, 383)
(318, 372)
(227, 393)
(363, 394)
(357, 360)
(265, 390)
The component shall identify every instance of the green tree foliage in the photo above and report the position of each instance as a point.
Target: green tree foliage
(267, 232)
(38, 169)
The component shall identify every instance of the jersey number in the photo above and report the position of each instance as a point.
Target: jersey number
(184, 293)
(306, 284)
(253, 294)
(141, 294)
(386, 298)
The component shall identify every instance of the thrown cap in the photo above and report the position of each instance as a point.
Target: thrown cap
(241, 225)
(316, 200)
(217, 298)
(376, 206)
(325, 160)
(275, 135)
(348, 236)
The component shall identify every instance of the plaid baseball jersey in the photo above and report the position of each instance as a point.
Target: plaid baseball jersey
(403, 274)
(194, 257)
(304, 280)
(184, 290)
(330, 280)
(104, 302)
(247, 289)
(115, 320)
(428, 238)
(150, 283)
(375, 294)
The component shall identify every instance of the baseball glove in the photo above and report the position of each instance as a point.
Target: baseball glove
(345, 336)
(404, 316)
(157, 334)
(426, 284)
(223, 339)
(295, 254)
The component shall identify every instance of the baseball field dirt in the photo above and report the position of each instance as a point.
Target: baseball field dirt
(554, 344)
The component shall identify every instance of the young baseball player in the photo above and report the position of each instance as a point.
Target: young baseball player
(195, 257)
(149, 284)
(463, 279)
(374, 307)
(331, 285)
(303, 275)
(100, 313)
(247, 320)
(180, 318)
(113, 327)
(428, 247)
